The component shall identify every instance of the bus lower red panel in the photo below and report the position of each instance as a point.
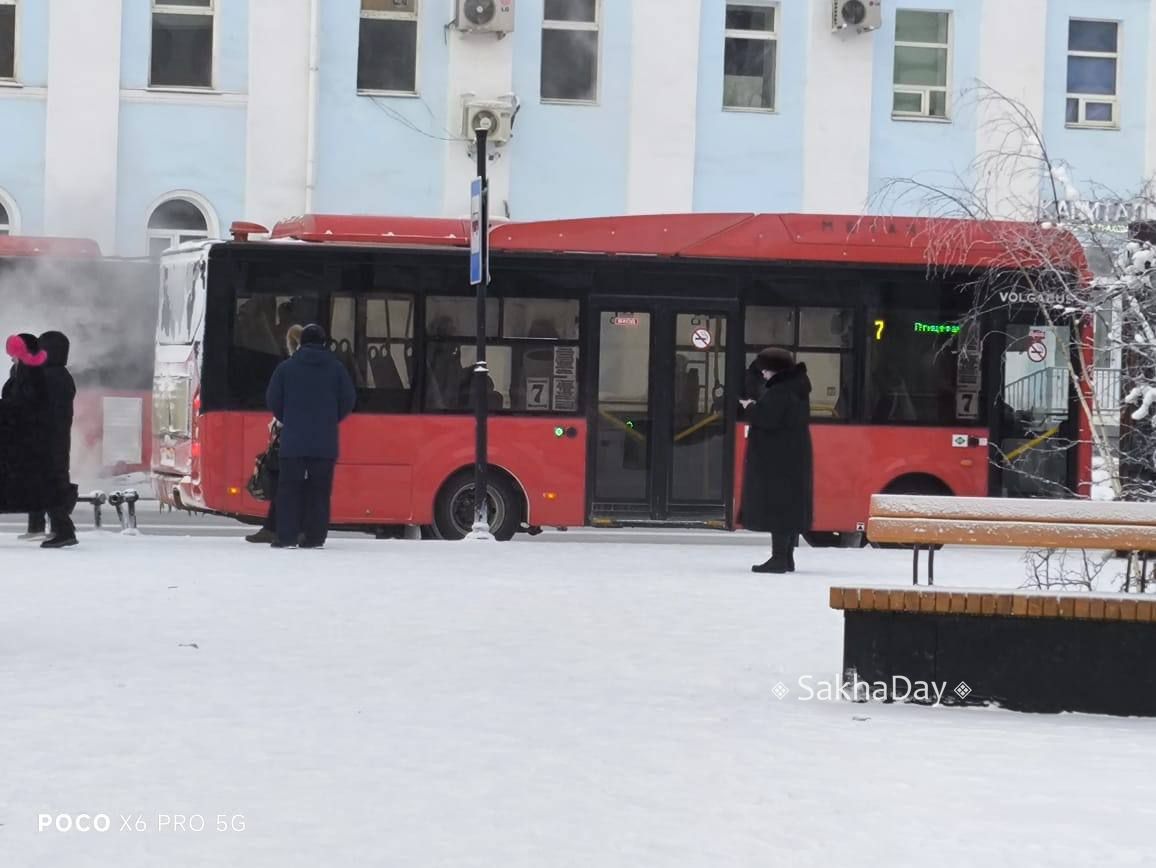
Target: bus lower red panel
(852, 462)
(392, 467)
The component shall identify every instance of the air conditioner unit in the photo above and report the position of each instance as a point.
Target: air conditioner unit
(499, 115)
(486, 16)
(860, 16)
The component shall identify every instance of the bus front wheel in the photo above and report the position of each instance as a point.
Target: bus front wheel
(454, 509)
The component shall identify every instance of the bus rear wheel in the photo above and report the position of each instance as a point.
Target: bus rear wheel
(822, 539)
(454, 509)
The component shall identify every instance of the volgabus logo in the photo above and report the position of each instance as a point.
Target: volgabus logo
(1031, 297)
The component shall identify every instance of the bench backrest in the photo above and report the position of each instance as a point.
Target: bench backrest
(999, 509)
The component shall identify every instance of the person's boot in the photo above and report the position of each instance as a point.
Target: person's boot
(59, 541)
(263, 536)
(779, 562)
(791, 556)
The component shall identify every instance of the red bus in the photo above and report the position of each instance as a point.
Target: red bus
(107, 307)
(618, 348)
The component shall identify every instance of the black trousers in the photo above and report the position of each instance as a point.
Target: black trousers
(59, 515)
(270, 523)
(304, 488)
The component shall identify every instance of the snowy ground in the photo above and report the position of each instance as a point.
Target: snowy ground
(436, 704)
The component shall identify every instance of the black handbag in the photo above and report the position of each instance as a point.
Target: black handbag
(263, 483)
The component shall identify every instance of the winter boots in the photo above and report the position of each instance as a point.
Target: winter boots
(782, 558)
(59, 541)
(37, 532)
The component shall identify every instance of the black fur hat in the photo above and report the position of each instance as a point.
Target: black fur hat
(776, 360)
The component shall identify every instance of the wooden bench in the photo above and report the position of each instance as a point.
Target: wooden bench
(1036, 652)
(930, 522)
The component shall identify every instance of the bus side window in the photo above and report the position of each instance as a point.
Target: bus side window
(533, 354)
(450, 325)
(389, 353)
(820, 338)
(912, 364)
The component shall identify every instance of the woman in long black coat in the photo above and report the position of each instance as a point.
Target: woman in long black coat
(23, 448)
(778, 475)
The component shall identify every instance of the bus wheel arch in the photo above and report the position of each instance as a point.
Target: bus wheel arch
(453, 504)
(918, 483)
(926, 484)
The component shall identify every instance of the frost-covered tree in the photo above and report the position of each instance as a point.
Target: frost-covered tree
(1036, 215)
(1036, 218)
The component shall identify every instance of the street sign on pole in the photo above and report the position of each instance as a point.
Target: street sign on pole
(480, 277)
(476, 232)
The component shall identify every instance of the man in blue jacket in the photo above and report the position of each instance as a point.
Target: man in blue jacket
(310, 394)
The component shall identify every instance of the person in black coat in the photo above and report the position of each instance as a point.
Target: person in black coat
(777, 477)
(23, 403)
(309, 395)
(268, 531)
(60, 395)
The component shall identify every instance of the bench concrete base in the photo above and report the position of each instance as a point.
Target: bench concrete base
(1034, 664)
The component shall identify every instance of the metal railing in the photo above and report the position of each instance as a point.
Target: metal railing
(1046, 391)
(1108, 389)
(124, 502)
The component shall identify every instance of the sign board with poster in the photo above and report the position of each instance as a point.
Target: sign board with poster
(565, 398)
(121, 440)
(476, 231)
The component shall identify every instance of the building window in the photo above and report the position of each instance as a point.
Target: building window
(1093, 60)
(182, 51)
(570, 51)
(175, 222)
(820, 338)
(7, 40)
(5, 220)
(922, 64)
(750, 56)
(387, 47)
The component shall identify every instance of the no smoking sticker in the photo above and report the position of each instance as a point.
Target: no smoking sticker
(701, 339)
(1037, 351)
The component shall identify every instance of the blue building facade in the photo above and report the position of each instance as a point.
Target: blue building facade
(771, 110)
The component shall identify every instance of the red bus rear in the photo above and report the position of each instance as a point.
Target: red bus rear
(618, 353)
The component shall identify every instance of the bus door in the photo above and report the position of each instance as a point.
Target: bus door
(1036, 418)
(661, 448)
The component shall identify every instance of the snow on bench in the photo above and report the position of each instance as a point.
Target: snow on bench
(929, 522)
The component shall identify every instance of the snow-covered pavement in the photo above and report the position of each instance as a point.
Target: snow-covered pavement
(435, 704)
